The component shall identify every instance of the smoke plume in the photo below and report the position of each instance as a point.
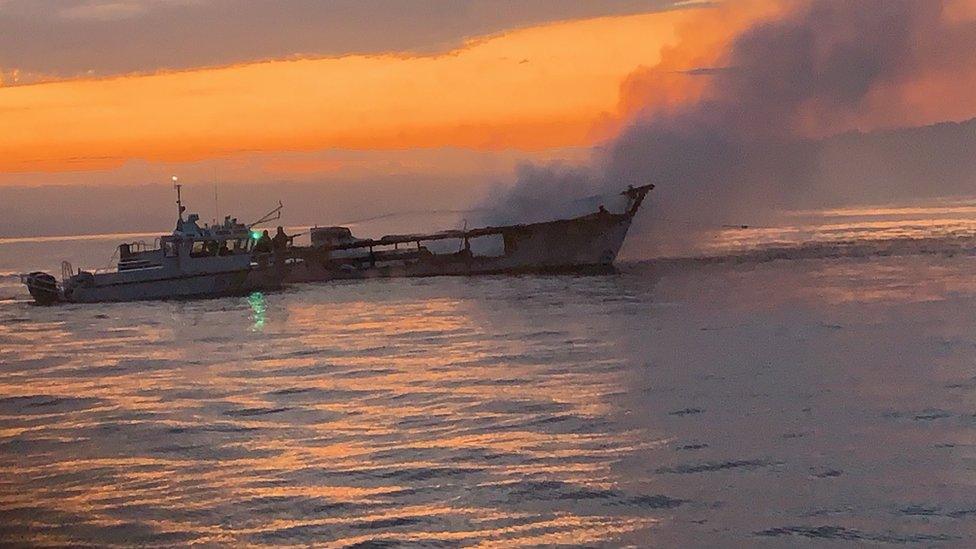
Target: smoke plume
(772, 116)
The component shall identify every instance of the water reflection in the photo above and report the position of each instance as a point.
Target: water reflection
(388, 410)
(259, 310)
(685, 408)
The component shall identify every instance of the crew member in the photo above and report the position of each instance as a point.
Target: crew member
(264, 244)
(281, 240)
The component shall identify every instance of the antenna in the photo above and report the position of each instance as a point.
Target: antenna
(273, 215)
(216, 204)
(179, 198)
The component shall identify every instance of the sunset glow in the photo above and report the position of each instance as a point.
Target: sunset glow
(537, 88)
(467, 111)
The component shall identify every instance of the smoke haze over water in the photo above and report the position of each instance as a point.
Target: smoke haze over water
(798, 111)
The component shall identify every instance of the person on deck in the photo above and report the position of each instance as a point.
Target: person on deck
(264, 244)
(281, 240)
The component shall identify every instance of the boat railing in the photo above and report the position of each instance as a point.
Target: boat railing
(141, 246)
(67, 271)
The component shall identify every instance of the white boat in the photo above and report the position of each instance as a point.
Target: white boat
(192, 262)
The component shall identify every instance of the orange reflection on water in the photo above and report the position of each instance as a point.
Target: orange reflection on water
(414, 418)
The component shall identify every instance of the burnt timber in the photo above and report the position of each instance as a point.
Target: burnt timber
(589, 243)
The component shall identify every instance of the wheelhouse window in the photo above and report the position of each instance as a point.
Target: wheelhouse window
(206, 248)
(199, 249)
(170, 249)
(220, 247)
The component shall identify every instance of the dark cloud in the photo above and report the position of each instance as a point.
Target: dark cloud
(73, 37)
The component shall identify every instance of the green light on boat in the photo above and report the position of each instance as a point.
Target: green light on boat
(255, 235)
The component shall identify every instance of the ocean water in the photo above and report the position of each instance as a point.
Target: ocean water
(787, 386)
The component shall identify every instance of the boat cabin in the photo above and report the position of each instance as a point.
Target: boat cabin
(331, 236)
(190, 245)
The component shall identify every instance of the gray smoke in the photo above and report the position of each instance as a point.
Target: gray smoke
(744, 152)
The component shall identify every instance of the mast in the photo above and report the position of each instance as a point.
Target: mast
(216, 204)
(179, 198)
(179, 204)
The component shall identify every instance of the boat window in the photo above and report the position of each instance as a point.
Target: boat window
(205, 248)
(170, 249)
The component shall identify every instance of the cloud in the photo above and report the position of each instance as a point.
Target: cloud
(104, 11)
(67, 38)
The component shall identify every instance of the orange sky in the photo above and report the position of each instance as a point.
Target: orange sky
(533, 89)
(535, 93)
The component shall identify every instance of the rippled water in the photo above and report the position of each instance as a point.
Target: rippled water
(747, 401)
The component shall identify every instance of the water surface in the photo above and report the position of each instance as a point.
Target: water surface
(761, 399)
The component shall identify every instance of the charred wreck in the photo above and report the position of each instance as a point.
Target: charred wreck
(588, 243)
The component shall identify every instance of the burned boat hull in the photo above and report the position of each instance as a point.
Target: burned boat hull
(562, 246)
(584, 244)
(592, 241)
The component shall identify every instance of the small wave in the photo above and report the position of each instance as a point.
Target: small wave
(937, 511)
(892, 247)
(656, 502)
(290, 391)
(214, 428)
(849, 534)
(693, 446)
(926, 415)
(415, 474)
(251, 412)
(827, 473)
(711, 467)
(554, 490)
(686, 412)
(392, 522)
(46, 404)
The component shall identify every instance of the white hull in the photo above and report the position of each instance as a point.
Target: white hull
(182, 287)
